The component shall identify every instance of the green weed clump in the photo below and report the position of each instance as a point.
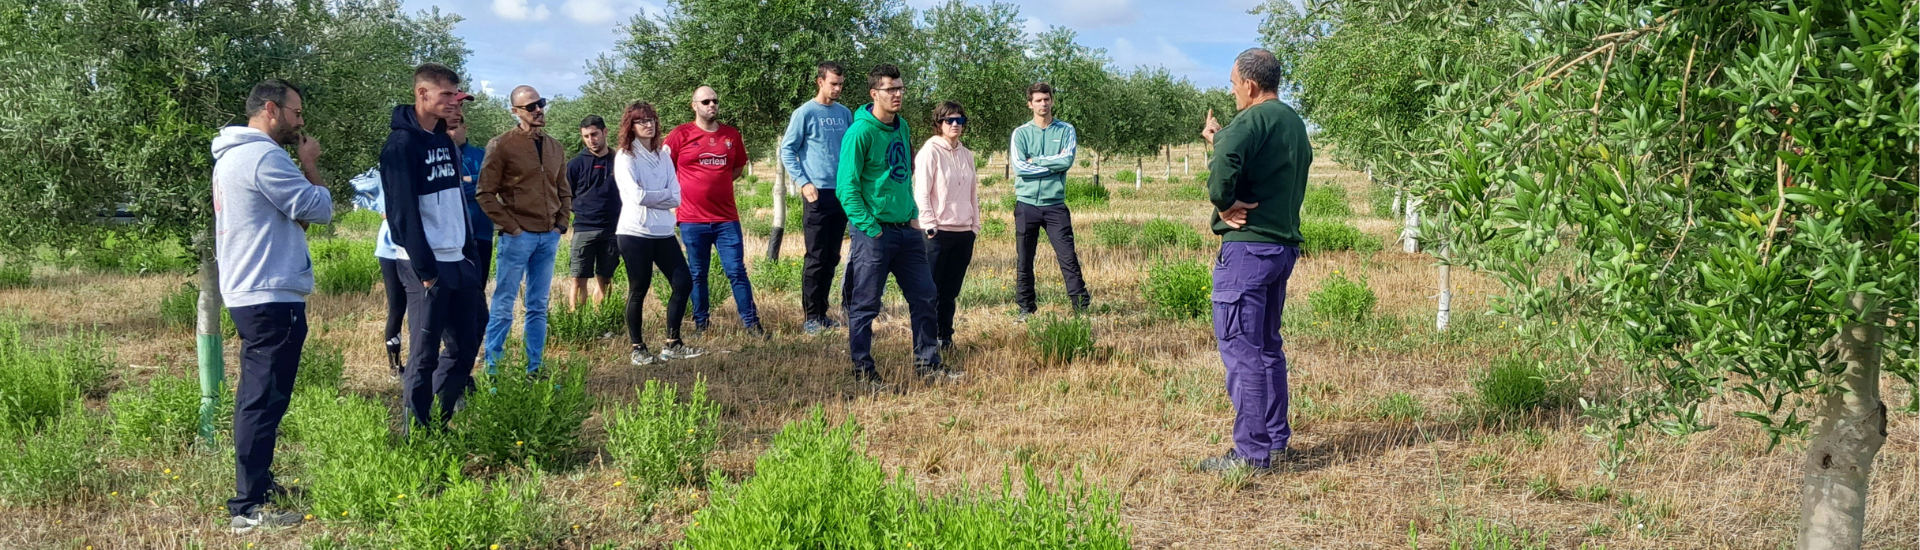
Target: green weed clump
(1159, 233)
(130, 253)
(366, 221)
(16, 274)
(41, 375)
(661, 441)
(322, 365)
(1180, 289)
(514, 419)
(1084, 194)
(342, 266)
(1325, 201)
(1319, 236)
(816, 488)
(1060, 339)
(181, 308)
(591, 320)
(993, 228)
(1399, 406)
(355, 469)
(1113, 233)
(1195, 192)
(51, 462)
(1125, 174)
(162, 417)
(782, 275)
(1343, 299)
(1380, 201)
(469, 513)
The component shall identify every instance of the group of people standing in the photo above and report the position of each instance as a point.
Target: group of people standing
(453, 214)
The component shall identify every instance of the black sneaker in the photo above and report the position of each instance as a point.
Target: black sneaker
(285, 492)
(759, 333)
(946, 344)
(1229, 461)
(393, 356)
(871, 379)
(259, 517)
(699, 328)
(830, 323)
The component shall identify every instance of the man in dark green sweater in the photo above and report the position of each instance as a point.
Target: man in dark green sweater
(1259, 175)
(875, 186)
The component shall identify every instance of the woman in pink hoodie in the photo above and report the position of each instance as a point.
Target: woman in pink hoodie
(945, 191)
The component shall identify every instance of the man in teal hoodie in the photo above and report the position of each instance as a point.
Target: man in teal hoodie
(875, 186)
(1042, 151)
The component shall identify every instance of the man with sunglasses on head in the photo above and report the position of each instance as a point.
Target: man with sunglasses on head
(876, 187)
(439, 264)
(811, 153)
(524, 189)
(707, 157)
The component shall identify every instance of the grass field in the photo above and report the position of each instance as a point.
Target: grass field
(1396, 450)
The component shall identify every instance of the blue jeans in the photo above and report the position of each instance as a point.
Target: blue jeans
(1249, 296)
(902, 252)
(701, 239)
(525, 257)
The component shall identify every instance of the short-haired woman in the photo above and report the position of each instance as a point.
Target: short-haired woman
(949, 201)
(649, 191)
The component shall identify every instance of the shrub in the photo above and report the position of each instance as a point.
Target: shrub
(989, 181)
(1380, 201)
(1196, 192)
(816, 488)
(322, 365)
(781, 275)
(591, 320)
(1180, 289)
(1343, 299)
(162, 417)
(50, 463)
(1329, 236)
(16, 274)
(341, 266)
(1084, 194)
(661, 441)
(361, 220)
(1061, 339)
(993, 228)
(180, 309)
(40, 377)
(1124, 175)
(1112, 233)
(1511, 384)
(133, 253)
(513, 419)
(470, 514)
(1160, 233)
(1325, 201)
(1201, 178)
(355, 472)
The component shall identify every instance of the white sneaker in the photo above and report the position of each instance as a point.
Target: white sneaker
(262, 518)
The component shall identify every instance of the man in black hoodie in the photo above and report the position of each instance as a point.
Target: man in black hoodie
(439, 263)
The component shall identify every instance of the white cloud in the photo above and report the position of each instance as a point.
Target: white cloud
(1033, 25)
(1162, 54)
(486, 87)
(1094, 14)
(517, 10)
(592, 12)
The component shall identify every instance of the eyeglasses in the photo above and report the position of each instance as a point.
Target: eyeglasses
(956, 121)
(896, 90)
(535, 106)
(709, 101)
(646, 122)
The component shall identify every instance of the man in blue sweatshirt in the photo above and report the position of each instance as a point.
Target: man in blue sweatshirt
(262, 203)
(810, 151)
(440, 261)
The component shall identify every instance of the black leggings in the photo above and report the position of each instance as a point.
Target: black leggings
(396, 298)
(642, 254)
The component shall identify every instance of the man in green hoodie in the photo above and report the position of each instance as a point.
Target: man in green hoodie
(875, 185)
(1041, 152)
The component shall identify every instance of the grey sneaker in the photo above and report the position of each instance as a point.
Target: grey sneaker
(1229, 461)
(640, 357)
(261, 518)
(938, 373)
(814, 327)
(680, 351)
(1022, 317)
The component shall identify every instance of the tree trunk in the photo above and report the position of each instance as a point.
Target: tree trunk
(1443, 310)
(1851, 428)
(213, 371)
(1138, 167)
(1167, 174)
(1008, 167)
(779, 214)
(1410, 230)
(1186, 168)
(1096, 168)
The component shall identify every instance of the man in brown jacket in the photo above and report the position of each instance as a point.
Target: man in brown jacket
(524, 189)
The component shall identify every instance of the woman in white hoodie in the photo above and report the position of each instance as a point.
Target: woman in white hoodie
(649, 191)
(949, 202)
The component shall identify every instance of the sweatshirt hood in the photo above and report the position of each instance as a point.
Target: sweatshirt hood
(865, 113)
(405, 119)
(936, 142)
(234, 136)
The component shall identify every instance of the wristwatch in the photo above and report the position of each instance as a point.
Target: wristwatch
(930, 232)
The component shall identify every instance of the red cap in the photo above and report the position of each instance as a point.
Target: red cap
(466, 96)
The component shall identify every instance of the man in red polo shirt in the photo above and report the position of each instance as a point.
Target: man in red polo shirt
(707, 157)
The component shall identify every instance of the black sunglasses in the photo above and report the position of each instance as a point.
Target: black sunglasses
(535, 106)
(709, 101)
(956, 121)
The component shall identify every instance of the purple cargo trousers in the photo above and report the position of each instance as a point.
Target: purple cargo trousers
(1249, 293)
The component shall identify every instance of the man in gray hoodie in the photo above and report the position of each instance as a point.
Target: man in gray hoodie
(261, 205)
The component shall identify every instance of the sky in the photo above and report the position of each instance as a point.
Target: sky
(547, 43)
